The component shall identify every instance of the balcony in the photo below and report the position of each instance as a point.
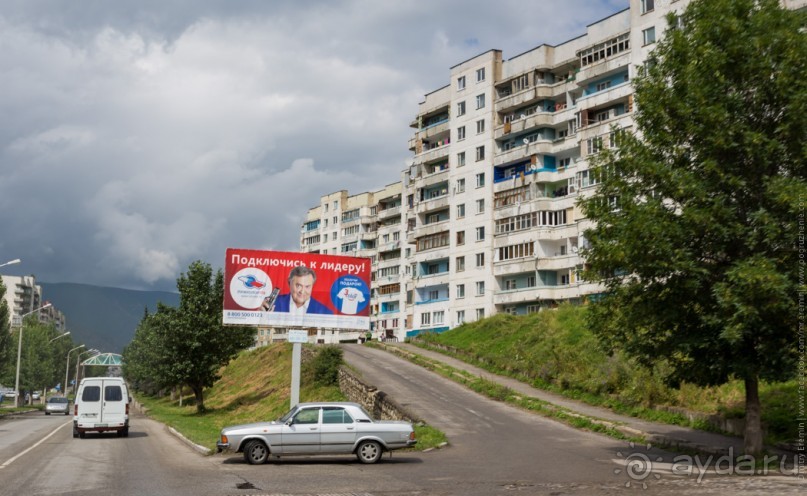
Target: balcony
(607, 97)
(389, 212)
(433, 228)
(521, 152)
(368, 236)
(567, 292)
(390, 279)
(517, 266)
(426, 280)
(434, 154)
(539, 119)
(529, 95)
(388, 297)
(602, 68)
(432, 179)
(558, 262)
(430, 132)
(429, 205)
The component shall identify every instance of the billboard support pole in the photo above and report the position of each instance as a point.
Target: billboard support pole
(297, 337)
(295, 374)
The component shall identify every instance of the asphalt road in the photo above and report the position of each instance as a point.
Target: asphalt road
(494, 450)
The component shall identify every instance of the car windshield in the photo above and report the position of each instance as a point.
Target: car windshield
(287, 416)
(57, 400)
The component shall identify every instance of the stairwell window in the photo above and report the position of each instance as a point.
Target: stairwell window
(460, 108)
(480, 101)
(480, 75)
(480, 153)
(460, 83)
(647, 6)
(649, 36)
(460, 133)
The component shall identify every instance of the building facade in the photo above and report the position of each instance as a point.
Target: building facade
(487, 218)
(24, 295)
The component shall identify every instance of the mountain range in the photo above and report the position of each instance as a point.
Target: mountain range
(101, 317)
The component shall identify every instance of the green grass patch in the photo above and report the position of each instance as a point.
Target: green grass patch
(555, 351)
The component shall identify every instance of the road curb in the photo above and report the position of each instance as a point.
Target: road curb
(196, 447)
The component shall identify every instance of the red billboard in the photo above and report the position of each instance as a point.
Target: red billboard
(287, 289)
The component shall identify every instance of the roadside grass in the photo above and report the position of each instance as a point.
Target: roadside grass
(555, 351)
(254, 387)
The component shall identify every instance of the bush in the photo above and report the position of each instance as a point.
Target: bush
(323, 369)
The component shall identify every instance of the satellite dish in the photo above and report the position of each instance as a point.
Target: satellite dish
(523, 116)
(574, 249)
(526, 141)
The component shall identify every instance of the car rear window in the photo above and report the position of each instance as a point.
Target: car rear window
(57, 400)
(335, 416)
(91, 393)
(113, 393)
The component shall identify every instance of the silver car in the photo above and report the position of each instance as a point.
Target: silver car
(57, 404)
(318, 429)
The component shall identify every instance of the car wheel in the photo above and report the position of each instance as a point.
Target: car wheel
(75, 432)
(81, 435)
(369, 452)
(255, 452)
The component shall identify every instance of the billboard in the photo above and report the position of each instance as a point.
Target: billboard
(287, 289)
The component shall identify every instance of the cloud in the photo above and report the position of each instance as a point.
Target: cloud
(138, 138)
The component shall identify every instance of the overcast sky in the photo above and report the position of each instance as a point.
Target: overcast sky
(139, 136)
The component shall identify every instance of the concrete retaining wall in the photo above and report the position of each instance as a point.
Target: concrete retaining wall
(378, 403)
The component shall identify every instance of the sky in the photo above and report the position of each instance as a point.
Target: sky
(139, 137)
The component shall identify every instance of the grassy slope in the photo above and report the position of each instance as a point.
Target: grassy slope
(254, 387)
(555, 351)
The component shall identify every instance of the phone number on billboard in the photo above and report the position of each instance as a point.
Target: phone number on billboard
(243, 314)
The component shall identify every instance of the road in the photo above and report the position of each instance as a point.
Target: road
(494, 450)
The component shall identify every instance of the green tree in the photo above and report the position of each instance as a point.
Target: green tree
(697, 213)
(187, 345)
(5, 338)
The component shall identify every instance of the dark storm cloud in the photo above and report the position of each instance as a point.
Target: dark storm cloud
(140, 136)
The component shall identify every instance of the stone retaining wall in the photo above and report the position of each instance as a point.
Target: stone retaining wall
(378, 403)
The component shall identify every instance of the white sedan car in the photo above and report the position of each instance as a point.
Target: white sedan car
(318, 429)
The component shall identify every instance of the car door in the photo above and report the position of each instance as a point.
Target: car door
(113, 410)
(338, 430)
(301, 435)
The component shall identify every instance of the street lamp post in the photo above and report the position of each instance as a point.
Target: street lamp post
(19, 353)
(67, 368)
(78, 363)
(45, 387)
(11, 262)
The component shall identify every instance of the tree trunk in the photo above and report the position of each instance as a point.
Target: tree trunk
(753, 417)
(198, 393)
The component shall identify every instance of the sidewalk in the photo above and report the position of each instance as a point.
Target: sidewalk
(659, 435)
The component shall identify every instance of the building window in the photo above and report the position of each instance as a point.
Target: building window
(480, 126)
(460, 108)
(480, 180)
(510, 284)
(460, 159)
(434, 295)
(480, 259)
(480, 101)
(460, 238)
(460, 133)
(434, 241)
(480, 153)
(460, 264)
(480, 206)
(460, 210)
(480, 233)
(460, 290)
(438, 317)
(480, 313)
(649, 36)
(480, 288)
(460, 316)
(425, 319)
(460, 83)
(461, 183)
(530, 281)
(480, 75)
(647, 5)
(521, 250)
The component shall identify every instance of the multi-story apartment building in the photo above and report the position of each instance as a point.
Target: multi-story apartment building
(488, 206)
(24, 295)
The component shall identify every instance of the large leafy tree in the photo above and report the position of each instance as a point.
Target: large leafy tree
(697, 212)
(187, 345)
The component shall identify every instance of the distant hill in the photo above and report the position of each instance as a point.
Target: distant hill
(103, 318)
